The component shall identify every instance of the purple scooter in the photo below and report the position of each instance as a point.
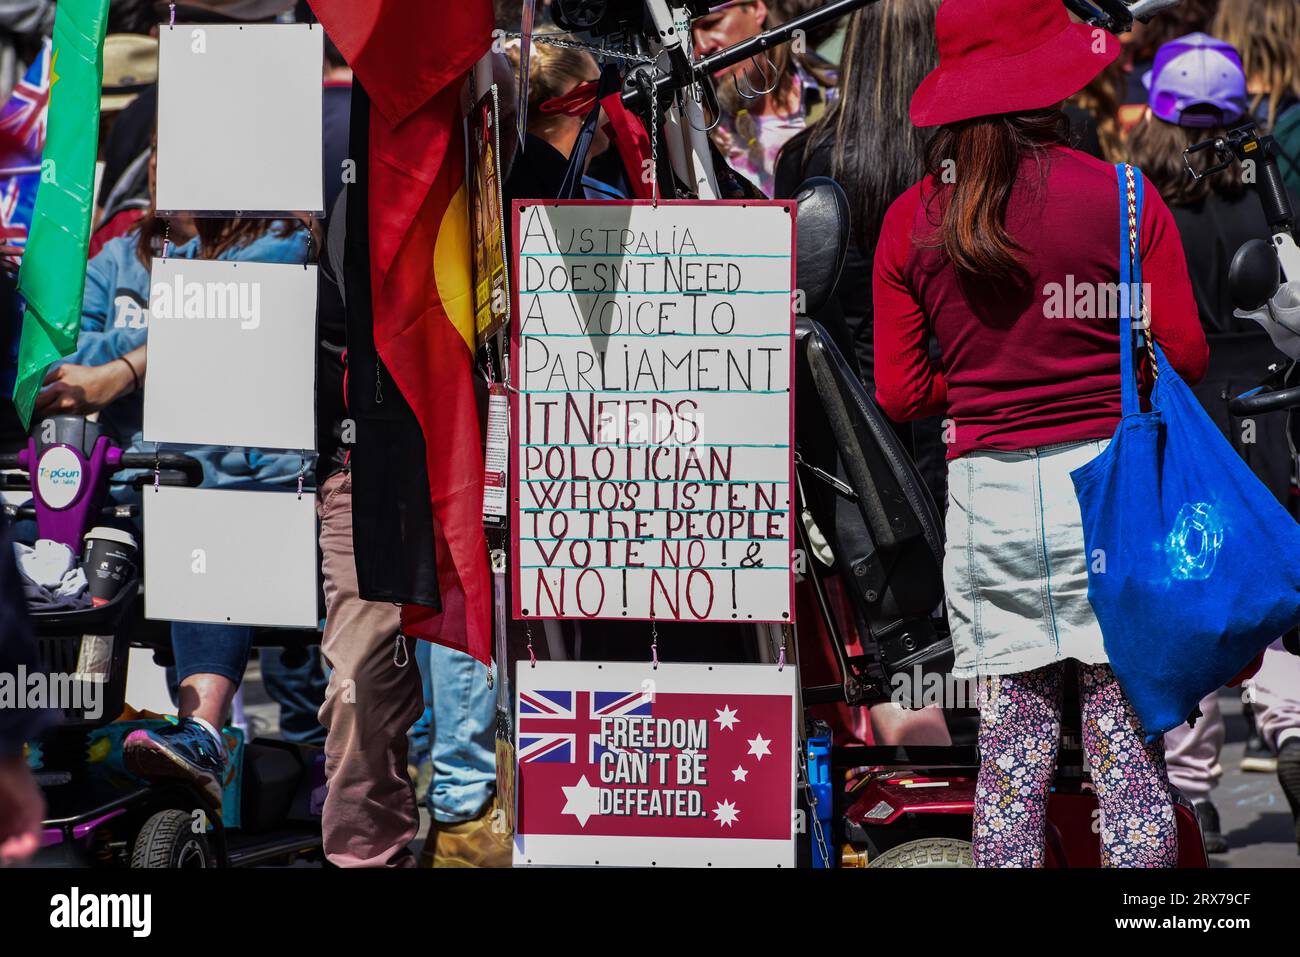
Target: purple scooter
(98, 814)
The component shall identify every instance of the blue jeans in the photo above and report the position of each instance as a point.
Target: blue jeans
(457, 731)
(206, 649)
(203, 649)
(299, 689)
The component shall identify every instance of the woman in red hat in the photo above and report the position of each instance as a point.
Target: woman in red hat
(1008, 253)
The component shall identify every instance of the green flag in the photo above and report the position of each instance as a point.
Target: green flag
(52, 279)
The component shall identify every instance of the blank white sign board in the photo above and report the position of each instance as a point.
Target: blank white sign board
(232, 354)
(239, 118)
(230, 557)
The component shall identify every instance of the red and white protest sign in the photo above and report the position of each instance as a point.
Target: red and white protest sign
(676, 766)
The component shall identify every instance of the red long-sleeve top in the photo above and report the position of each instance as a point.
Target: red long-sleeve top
(1037, 364)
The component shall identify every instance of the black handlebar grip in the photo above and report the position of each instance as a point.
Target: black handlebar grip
(1273, 194)
(1259, 403)
(9, 460)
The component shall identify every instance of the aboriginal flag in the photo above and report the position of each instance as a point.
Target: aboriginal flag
(417, 462)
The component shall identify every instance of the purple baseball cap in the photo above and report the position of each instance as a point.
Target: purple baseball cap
(1197, 81)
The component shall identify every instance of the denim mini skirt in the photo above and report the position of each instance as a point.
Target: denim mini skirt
(1015, 570)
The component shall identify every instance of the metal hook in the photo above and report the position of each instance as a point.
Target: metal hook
(753, 93)
(708, 100)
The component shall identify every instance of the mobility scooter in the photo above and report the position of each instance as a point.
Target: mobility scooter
(99, 814)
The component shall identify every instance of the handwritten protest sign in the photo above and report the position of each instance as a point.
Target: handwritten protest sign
(653, 359)
(680, 765)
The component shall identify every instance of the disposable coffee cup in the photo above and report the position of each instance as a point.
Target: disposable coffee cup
(109, 562)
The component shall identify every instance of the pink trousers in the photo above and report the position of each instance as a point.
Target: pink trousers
(373, 698)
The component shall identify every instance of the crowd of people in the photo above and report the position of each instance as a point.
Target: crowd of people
(432, 723)
(1001, 399)
(972, 187)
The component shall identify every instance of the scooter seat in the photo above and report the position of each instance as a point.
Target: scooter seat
(867, 497)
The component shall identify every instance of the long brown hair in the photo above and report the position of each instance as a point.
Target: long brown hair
(876, 153)
(1156, 147)
(974, 166)
(1267, 35)
(216, 236)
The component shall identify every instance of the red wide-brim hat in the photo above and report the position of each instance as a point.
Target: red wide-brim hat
(1008, 56)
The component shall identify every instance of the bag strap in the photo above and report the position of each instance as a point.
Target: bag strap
(1135, 311)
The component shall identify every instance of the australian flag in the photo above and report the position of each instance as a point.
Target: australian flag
(22, 141)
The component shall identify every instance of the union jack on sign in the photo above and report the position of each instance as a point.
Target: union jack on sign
(553, 723)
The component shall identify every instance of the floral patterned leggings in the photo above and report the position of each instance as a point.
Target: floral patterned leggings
(1020, 729)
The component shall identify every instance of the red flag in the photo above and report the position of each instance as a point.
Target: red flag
(404, 52)
(411, 62)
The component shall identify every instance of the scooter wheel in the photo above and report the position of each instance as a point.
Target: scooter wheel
(167, 840)
(927, 852)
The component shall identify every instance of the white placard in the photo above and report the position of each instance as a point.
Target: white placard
(652, 439)
(230, 557)
(239, 118)
(232, 354)
(677, 766)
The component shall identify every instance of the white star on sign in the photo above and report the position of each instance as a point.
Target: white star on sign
(758, 746)
(725, 813)
(581, 800)
(726, 717)
(739, 774)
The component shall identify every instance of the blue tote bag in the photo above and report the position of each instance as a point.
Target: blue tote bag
(1194, 567)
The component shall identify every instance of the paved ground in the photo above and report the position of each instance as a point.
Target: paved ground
(1253, 810)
